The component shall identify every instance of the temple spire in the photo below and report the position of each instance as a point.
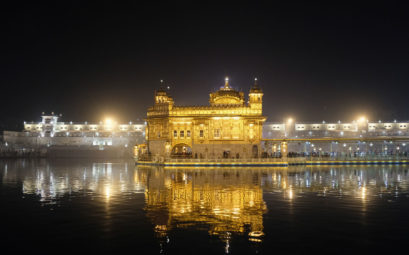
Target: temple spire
(226, 84)
(255, 87)
(162, 87)
(255, 83)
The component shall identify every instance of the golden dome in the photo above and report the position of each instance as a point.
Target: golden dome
(227, 96)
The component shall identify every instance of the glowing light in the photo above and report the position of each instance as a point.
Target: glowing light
(363, 192)
(107, 191)
(290, 120)
(362, 119)
(290, 194)
(108, 121)
(256, 234)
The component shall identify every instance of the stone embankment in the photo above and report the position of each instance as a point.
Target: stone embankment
(284, 161)
(22, 153)
(7, 151)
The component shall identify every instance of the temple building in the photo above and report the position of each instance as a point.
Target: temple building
(227, 128)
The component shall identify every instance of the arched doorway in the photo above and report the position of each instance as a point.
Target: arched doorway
(255, 151)
(181, 150)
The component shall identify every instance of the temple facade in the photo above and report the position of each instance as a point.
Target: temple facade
(227, 128)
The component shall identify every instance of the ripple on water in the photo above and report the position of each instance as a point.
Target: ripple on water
(116, 206)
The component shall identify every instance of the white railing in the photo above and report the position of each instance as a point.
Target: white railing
(224, 160)
(363, 158)
(296, 160)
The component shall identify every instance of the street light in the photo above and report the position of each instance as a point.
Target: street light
(362, 119)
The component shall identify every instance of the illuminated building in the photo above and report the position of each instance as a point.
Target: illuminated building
(371, 138)
(335, 129)
(52, 132)
(227, 128)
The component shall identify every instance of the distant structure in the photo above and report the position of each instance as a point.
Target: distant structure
(356, 128)
(228, 127)
(52, 132)
(359, 137)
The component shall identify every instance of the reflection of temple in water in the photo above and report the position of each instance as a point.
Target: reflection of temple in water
(224, 202)
(219, 192)
(217, 200)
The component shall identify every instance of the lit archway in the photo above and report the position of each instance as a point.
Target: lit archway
(181, 150)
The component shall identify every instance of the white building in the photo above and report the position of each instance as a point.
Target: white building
(335, 129)
(52, 132)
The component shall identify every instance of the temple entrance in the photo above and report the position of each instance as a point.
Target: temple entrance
(181, 151)
(255, 151)
(226, 154)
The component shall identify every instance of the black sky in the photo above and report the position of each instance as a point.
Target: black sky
(314, 61)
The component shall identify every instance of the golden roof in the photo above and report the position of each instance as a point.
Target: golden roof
(227, 96)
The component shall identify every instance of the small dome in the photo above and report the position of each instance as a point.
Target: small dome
(255, 88)
(227, 96)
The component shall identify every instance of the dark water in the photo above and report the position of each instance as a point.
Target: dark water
(51, 207)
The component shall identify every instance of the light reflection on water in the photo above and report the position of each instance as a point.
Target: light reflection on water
(224, 202)
(51, 180)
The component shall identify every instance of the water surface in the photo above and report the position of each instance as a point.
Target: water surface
(93, 206)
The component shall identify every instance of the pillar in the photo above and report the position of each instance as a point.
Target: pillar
(284, 149)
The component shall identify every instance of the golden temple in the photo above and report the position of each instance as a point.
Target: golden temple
(227, 128)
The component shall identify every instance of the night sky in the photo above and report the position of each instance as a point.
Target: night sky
(314, 61)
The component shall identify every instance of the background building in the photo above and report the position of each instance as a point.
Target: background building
(371, 138)
(76, 138)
